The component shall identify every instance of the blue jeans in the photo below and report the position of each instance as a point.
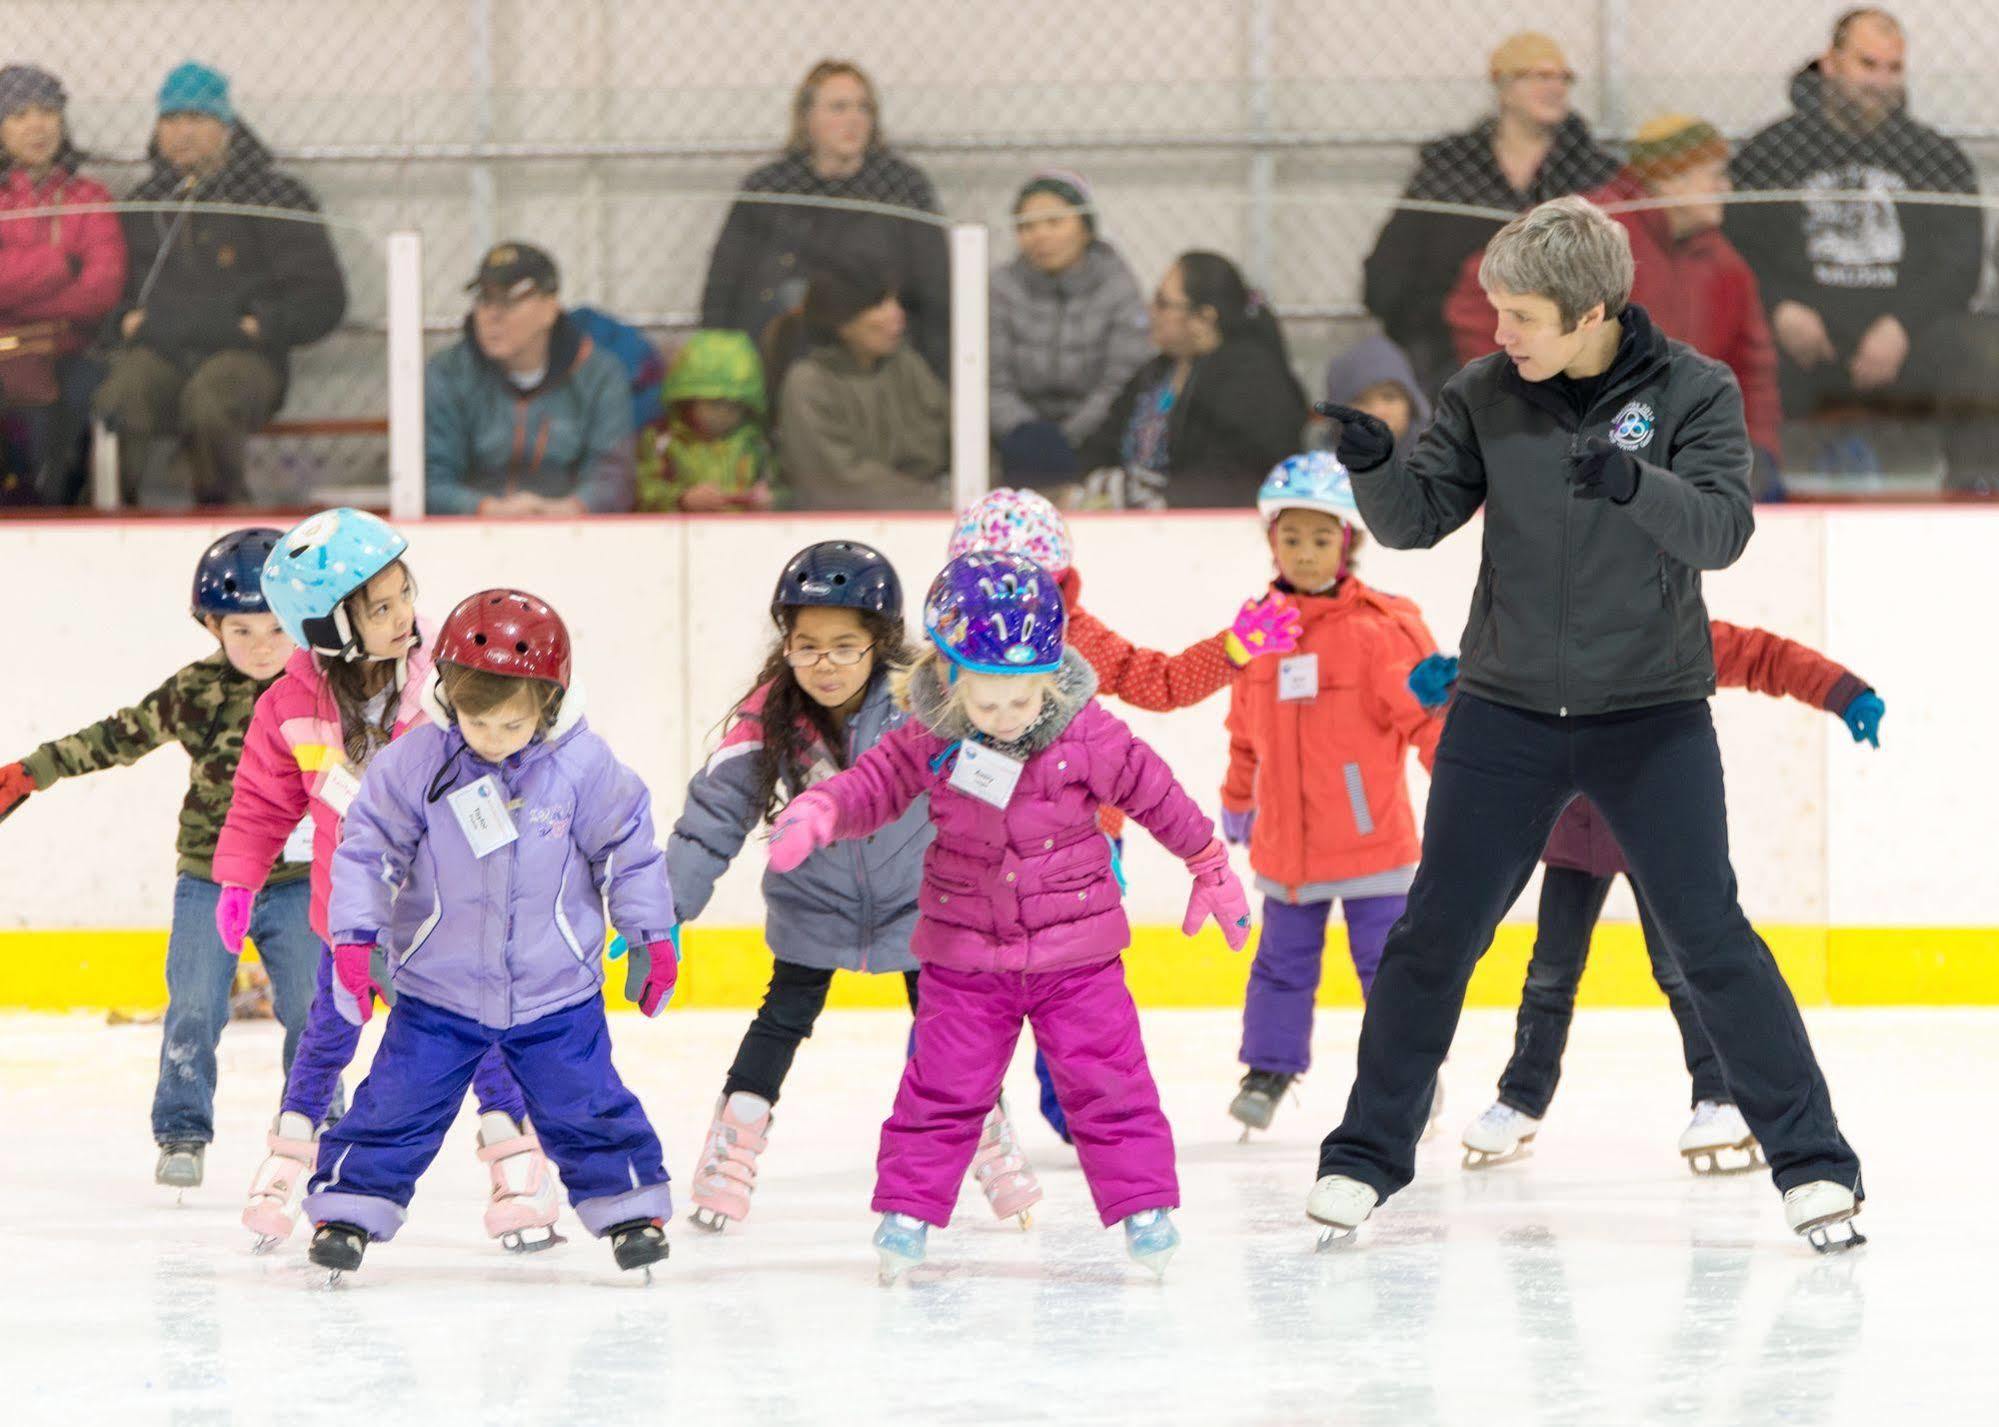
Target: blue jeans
(199, 976)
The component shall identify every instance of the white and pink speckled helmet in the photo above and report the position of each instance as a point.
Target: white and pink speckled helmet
(1015, 522)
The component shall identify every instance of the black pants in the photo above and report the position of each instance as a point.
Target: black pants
(1502, 777)
(1571, 902)
(791, 1007)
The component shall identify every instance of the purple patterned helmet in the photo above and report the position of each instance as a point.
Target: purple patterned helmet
(995, 613)
(1022, 522)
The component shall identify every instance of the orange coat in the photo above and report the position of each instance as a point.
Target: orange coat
(1327, 775)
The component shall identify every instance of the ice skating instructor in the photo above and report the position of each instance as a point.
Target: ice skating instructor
(1613, 465)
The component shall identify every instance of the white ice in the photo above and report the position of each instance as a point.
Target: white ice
(1596, 1282)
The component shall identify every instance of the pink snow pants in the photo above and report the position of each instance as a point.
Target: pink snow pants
(966, 1025)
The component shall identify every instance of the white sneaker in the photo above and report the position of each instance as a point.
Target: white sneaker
(1341, 1204)
(1499, 1136)
(1815, 1210)
(1717, 1129)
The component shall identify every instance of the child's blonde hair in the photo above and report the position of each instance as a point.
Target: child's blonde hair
(929, 662)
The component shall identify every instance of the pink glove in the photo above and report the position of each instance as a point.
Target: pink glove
(232, 917)
(354, 988)
(1217, 894)
(1266, 626)
(661, 973)
(805, 826)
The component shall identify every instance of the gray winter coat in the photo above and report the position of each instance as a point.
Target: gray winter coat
(851, 906)
(1063, 346)
(1582, 606)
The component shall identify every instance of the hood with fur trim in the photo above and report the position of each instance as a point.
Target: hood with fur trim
(932, 706)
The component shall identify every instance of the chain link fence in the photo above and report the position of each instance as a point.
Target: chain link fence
(614, 133)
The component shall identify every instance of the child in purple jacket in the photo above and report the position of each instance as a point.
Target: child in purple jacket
(479, 856)
(1020, 916)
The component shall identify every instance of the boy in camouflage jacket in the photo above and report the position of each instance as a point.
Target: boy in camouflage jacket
(206, 708)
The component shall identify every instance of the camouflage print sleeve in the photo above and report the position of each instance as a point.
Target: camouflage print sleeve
(125, 737)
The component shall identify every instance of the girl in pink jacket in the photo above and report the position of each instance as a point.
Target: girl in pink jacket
(1020, 917)
(338, 584)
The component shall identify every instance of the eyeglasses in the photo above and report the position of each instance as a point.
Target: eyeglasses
(845, 657)
(1563, 77)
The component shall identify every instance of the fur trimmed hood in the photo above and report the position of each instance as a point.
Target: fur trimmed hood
(931, 705)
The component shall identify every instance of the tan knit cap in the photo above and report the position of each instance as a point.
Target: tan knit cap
(1673, 143)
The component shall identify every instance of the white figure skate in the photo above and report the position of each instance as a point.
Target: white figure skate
(279, 1186)
(1718, 1129)
(523, 1208)
(1340, 1204)
(1499, 1136)
(1822, 1212)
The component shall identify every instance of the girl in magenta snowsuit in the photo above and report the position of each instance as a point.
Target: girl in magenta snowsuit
(1020, 917)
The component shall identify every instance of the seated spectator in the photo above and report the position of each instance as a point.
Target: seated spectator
(863, 423)
(1867, 300)
(215, 299)
(713, 453)
(644, 366)
(59, 274)
(1068, 330)
(836, 150)
(1202, 423)
(1534, 148)
(523, 415)
(1689, 278)
(1374, 376)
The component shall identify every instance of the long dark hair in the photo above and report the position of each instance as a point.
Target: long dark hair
(347, 679)
(793, 721)
(1241, 313)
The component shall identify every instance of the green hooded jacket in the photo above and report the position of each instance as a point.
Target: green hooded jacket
(717, 366)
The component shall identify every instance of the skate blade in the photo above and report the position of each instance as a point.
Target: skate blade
(1155, 1264)
(710, 1220)
(892, 1267)
(1336, 1236)
(1486, 1159)
(265, 1243)
(1708, 1162)
(530, 1241)
(332, 1280)
(1820, 1236)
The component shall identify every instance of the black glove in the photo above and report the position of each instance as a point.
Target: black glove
(1602, 471)
(1365, 441)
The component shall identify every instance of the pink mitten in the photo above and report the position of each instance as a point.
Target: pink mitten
(1218, 894)
(232, 917)
(661, 973)
(354, 982)
(805, 826)
(1266, 626)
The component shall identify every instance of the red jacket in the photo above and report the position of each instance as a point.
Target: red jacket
(1697, 289)
(37, 282)
(1327, 774)
(1752, 659)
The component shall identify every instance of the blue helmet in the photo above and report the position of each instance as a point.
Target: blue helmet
(317, 564)
(839, 574)
(995, 613)
(229, 577)
(1314, 481)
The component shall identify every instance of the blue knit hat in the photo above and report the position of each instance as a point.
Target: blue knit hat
(193, 88)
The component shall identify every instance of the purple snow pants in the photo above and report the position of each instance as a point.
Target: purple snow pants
(1284, 978)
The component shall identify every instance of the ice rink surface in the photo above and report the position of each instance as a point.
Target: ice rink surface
(1596, 1282)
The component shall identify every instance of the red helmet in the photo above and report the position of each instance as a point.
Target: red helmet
(507, 632)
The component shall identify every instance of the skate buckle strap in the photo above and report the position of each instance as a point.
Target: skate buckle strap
(507, 1149)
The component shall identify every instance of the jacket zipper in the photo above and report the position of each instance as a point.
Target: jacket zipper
(1061, 321)
(1562, 630)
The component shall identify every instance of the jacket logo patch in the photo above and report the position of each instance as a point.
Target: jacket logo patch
(1632, 430)
(550, 822)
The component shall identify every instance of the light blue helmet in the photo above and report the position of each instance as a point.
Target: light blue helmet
(317, 564)
(1313, 481)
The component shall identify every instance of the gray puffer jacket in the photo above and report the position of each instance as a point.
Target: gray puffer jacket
(1582, 606)
(849, 907)
(1063, 346)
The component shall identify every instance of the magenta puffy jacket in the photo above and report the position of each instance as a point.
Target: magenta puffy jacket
(1030, 887)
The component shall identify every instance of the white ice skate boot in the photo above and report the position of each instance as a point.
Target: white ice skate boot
(727, 1174)
(179, 1166)
(1002, 1171)
(523, 1208)
(899, 1241)
(1717, 1129)
(272, 1212)
(1342, 1205)
(1255, 1104)
(1499, 1136)
(1814, 1210)
(1150, 1238)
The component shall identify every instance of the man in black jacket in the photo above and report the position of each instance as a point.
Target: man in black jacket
(215, 298)
(1613, 467)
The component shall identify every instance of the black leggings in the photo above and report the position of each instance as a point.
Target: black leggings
(791, 1007)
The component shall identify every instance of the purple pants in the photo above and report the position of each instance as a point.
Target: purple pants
(326, 1048)
(1284, 978)
(966, 1025)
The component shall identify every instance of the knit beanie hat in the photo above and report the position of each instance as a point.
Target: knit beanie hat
(22, 86)
(837, 294)
(1673, 143)
(1528, 50)
(193, 88)
(1069, 186)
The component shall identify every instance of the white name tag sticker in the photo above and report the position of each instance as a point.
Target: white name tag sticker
(481, 810)
(985, 774)
(298, 847)
(340, 788)
(1298, 677)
